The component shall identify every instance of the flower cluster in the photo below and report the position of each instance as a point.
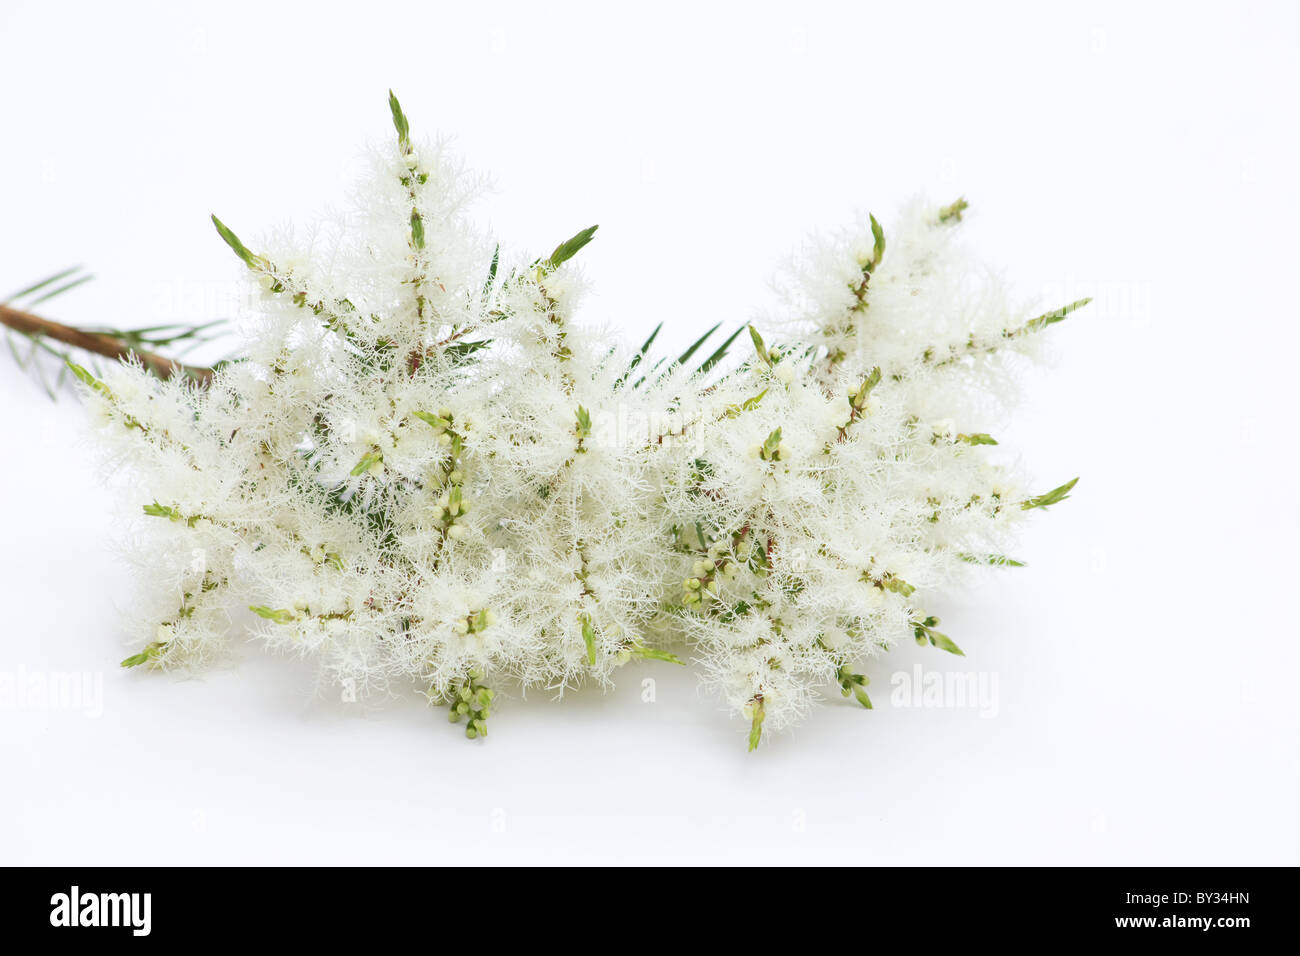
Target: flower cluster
(423, 473)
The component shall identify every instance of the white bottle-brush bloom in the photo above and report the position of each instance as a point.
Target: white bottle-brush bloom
(423, 472)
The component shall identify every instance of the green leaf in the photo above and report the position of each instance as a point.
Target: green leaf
(431, 419)
(878, 250)
(685, 356)
(639, 357)
(162, 511)
(460, 351)
(896, 584)
(400, 123)
(584, 422)
(654, 654)
(87, 379)
(718, 355)
(280, 616)
(771, 444)
(977, 438)
(417, 230)
(50, 293)
(1050, 498)
(756, 724)
(944, 643)
(589, 638)
(998, 560)
(864, 390)
(1051, 318)
(855, 684)
(645, 346)
(759, 346)
(148, 653)
(492, 270)
(699, 530)
(748, 405)
(368, 460)
(83, 376)
(570, 247)
(36, 287)
(250, 259)
(952, 213)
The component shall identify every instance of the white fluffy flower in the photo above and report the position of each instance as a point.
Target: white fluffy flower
(424, 473)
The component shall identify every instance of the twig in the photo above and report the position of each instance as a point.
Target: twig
(100, 344)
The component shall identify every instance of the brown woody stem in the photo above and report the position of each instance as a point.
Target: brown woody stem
(100, 344)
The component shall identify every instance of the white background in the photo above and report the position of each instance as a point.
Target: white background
(1147, 657)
